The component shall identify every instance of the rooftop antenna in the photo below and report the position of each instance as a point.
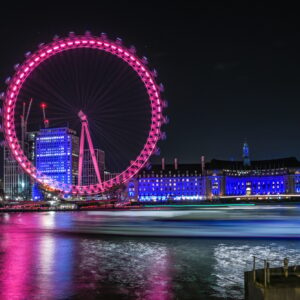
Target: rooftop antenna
(202, 164)
(163, 163)
(246, 157)
(46, 121)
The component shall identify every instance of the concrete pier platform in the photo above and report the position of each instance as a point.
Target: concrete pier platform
(278, 283)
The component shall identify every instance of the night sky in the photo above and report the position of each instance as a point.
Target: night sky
(230, 71)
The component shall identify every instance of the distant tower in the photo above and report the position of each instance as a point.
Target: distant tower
(246, 157)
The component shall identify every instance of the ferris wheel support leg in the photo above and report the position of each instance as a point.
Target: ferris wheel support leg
(91, 147)
(81, 153)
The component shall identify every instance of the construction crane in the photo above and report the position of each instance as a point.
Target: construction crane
(46, 121)
(24, 121)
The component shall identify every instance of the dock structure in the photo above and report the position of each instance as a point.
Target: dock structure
(272, 283)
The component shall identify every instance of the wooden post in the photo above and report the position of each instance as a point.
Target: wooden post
(268, 273)
(265, 273)
(254, 271)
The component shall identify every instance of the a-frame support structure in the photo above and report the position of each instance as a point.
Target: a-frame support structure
(85, 132)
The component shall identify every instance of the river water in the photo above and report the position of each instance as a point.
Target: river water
(60, 255)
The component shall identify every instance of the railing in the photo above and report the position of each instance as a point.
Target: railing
(283, 270)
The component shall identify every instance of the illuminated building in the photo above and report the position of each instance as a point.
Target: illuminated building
(13, 178)
(56, 155)
(30, 139)
(88, 173)
(169, 182)
(1, 190)
(266, 177)
(17, 184)
(217, 179)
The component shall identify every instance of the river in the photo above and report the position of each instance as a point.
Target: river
(102, 255)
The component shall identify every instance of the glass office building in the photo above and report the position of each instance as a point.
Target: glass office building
(56, 155)
(88, 173)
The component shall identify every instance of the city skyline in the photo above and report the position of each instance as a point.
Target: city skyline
(149, 150)
(220, 65)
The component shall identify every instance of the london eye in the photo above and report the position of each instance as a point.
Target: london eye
(96, 87)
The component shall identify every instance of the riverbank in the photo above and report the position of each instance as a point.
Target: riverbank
(120, 206)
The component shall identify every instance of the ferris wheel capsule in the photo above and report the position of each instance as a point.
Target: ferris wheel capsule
(154, 73)
(132, 49)
(87, 33)
(16, 66)
(40, 45)
(2, 95)
(7, 80)
(161, 87)
(27, 54)
(144, 60)
(103, 36)
(163, 136)
(166, 120)
(55, 38)
(71, 34)
(165, 104)
(119, 41)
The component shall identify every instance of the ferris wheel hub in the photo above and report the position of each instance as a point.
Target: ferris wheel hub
(82, 116)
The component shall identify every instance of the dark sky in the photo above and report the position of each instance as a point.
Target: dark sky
(230, 70)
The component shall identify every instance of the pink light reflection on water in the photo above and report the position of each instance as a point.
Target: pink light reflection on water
(159, 286)
(34, 264)
(17, 260)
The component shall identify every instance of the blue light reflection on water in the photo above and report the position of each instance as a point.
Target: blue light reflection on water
(40, 259)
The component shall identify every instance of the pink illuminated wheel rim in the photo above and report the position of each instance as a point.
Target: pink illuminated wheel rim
(64, 44)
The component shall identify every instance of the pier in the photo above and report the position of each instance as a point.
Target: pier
(272, 283)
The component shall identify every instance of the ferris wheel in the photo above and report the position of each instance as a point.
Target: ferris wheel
(136, 103)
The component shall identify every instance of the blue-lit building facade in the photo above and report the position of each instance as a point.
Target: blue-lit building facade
(174, 186)
(217, 179)
(271, 177)
(168, 182)
(56, 155)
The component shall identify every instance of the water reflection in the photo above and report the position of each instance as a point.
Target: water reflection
(39, 259)
(140, 269)
(15, 261)
(232, 259)
(33, 266)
